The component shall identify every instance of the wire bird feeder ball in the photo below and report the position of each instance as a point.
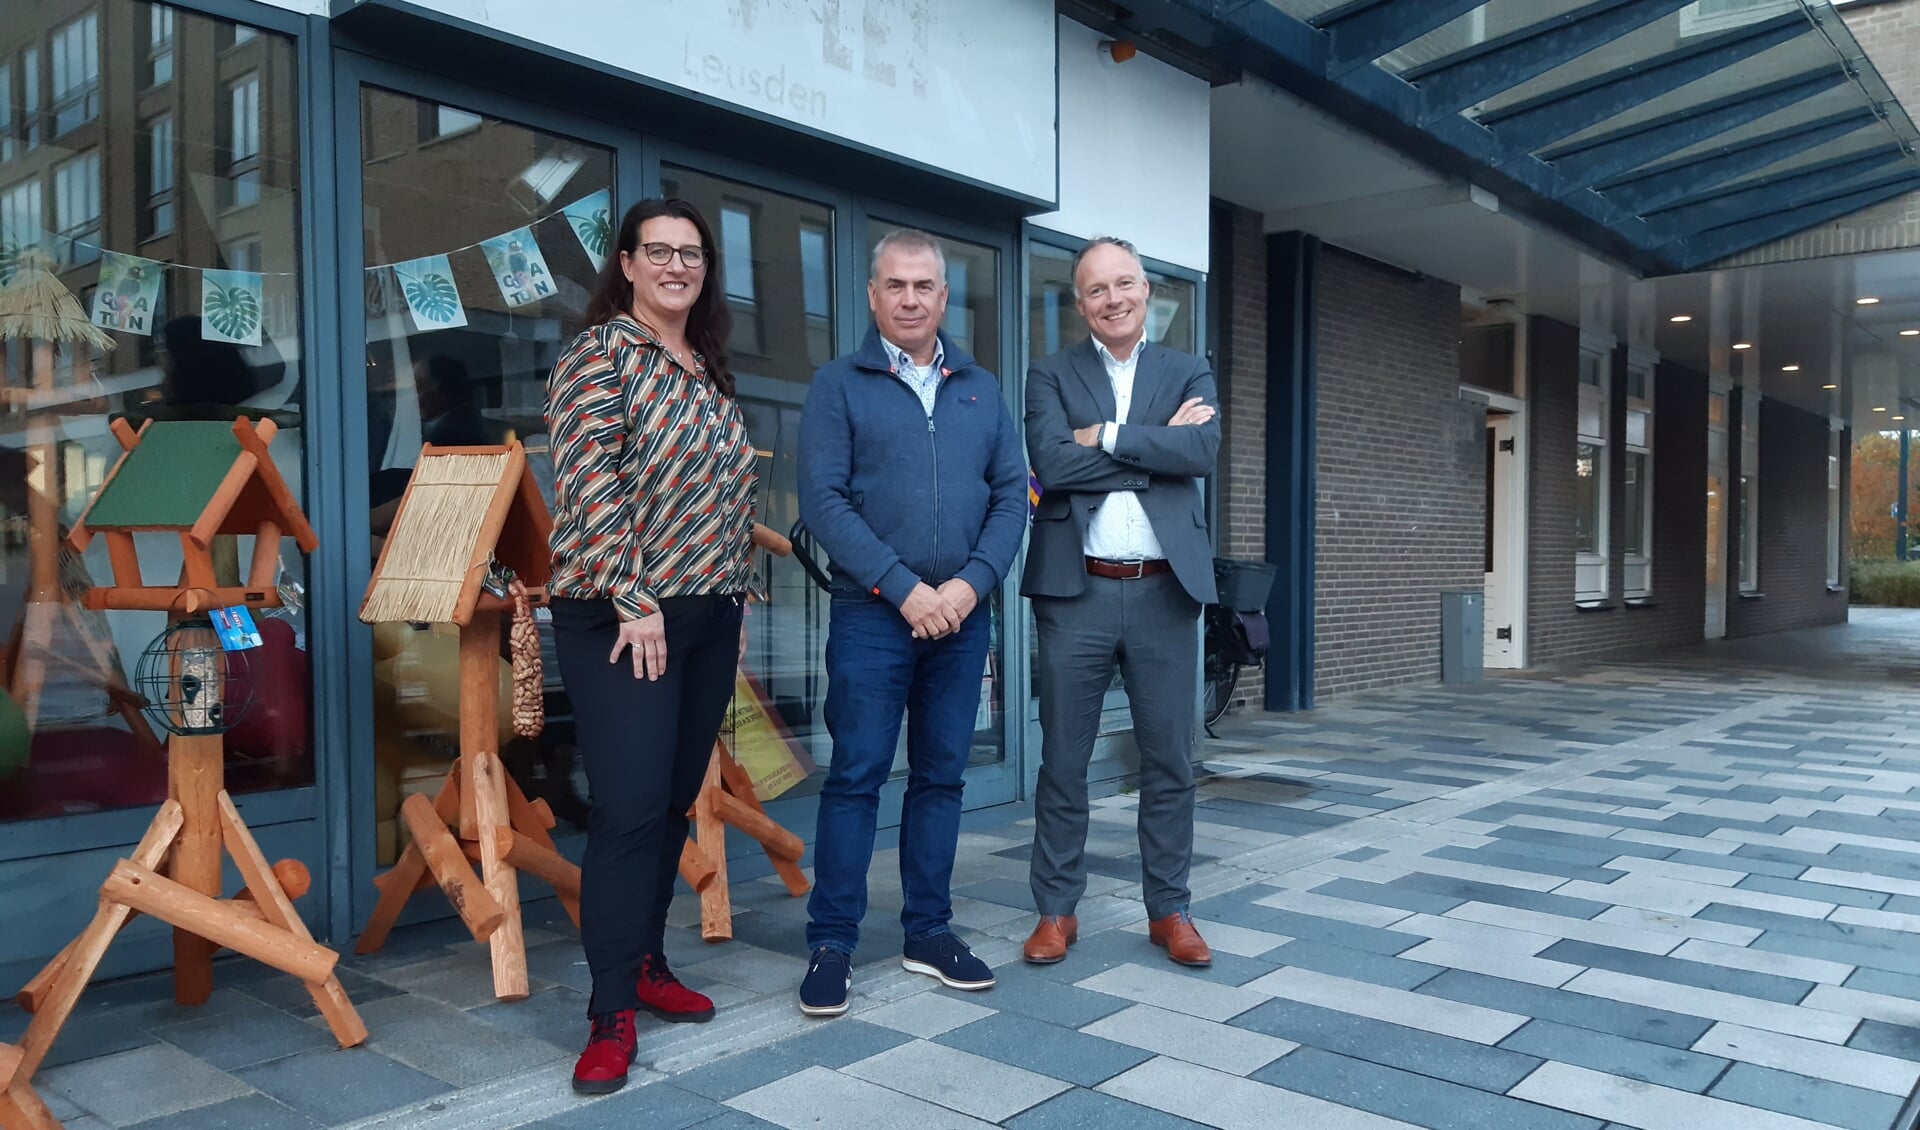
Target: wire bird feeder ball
(192, 686)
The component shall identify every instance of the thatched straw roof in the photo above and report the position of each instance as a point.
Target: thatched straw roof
(428, 559)
(36, 307)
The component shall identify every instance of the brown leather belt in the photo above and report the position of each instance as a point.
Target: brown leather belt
(1126, 570)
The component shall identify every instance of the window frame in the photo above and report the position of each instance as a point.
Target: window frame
(79, 248)
(1748, 561)
(162, 28)
(158, 155)
(1592, 583)
(1836, 451)
(237, 190)
(1638, 561)
(86, 91)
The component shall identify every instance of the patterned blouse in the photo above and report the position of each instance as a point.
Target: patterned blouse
(653, 475)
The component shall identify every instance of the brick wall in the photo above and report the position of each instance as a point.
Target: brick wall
(1401, 471)
(1793, 529)
(1889, 32)
(1675, 610)
(1239, 285)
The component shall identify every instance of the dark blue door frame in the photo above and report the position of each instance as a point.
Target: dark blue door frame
(1293, 261)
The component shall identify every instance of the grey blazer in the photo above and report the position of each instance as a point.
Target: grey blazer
(1163, 464)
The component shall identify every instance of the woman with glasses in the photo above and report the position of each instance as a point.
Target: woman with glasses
(653, 496)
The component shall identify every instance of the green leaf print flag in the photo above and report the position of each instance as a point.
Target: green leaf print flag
(231, 306)
(592, 221)
(432, 299)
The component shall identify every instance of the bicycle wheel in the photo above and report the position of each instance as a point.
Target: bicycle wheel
(1220, 678)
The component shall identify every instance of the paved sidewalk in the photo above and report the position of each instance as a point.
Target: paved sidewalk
(1676, 895)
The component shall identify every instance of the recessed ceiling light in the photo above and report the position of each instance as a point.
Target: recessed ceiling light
(1896, 417)
(1910, 333)
(1829, 388)
(1866, 301)
(1743, 345)
(1879, 409)
(1789, 368)
(1681, 318)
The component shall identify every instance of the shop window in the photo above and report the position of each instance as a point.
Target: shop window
(160, 45)
(67, 745)
(740, 272)
(8, 126)
(76, 207)
(1749, 491)
(1591, 466)
(159, 163)
(1833, 508)
(1636, 538)
(816, 289)
(75, 48)
(242, 154)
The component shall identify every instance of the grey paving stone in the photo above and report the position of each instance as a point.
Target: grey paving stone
(1380, 894)
(1575, 842)
(450, 1045)
(1832, 1103)
(557, 1015)
(1867, 955)
(1045, 1048)
(1418, 1099)
(1468, 890)
(1886, 984)
(1619, 799)
(1090, 1110)
(838, 1042)
(1888, 1039)
(290, 995)
(248, 1112)
(657, 1106)
(1026, 990)
(1538, 862)
(737, 1120)
(1428, 1053)
(1818, 892)
(1617, 1055)
(738, 1074)
(146, 1082)
(1738, 864)
(341, 1084)
(1360, 965)
(1241, 911)
(1577, 1009)
(1773, 922)
(249, 1035)
(1791, 856)
(1362, 855)
(91, 1035)
(1765, 986)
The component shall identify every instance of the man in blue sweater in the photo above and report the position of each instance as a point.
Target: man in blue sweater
(912, 480)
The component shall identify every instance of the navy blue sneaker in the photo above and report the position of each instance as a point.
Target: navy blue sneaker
(947, 957)
(828, 984)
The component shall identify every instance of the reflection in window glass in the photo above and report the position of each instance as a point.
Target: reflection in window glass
(7, 126)
(816, 291)
(1634, 539)
(67, 204)
(1586, 499)
(451, 362)
(243, 142)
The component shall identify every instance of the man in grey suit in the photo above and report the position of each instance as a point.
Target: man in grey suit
(1120, 431)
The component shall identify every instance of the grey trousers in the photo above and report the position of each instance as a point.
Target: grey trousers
(1151, 628)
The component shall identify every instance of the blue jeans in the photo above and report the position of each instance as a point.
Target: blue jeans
(876, 673)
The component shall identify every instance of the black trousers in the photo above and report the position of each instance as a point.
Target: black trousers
(645, 747)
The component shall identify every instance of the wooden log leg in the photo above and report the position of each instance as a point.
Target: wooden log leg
(508, 943)
(265, 883)
(533, 819)
(716, 904)
(523, 854)
(21, 1109)
(409, 874)
(785, 865)
(218, 922)
(195, 771)
(89, 948)
(476, 906)
(695, 867)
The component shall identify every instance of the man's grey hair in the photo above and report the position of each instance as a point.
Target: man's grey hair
(1073, 272)
(909, 240)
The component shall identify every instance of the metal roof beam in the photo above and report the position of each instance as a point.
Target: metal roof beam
(1755, 198)
(1364, 30)
(1450, 85)
(1661, 187)
(1583, 105)
(1596, 160)
(1697, 251)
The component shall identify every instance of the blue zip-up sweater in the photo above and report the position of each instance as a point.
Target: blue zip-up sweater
(897, 498)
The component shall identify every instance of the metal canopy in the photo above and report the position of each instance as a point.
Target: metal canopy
(1670, 133)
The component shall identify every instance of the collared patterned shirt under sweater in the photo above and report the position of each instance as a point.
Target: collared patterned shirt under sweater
(654, 475)
(923, 380)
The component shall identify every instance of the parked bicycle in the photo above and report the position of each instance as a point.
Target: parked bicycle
(1236, 632)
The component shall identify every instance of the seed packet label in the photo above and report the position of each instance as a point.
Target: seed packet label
(236, 628)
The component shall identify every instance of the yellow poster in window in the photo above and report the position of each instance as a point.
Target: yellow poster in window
(760, 741)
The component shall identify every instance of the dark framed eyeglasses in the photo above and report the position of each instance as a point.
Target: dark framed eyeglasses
(660, 254)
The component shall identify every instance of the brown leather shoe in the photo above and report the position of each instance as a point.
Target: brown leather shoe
(1175, 933)
(1051, 938)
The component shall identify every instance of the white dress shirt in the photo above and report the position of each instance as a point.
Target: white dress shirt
(1120, 530)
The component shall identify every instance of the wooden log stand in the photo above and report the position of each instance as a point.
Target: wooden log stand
(199, 481)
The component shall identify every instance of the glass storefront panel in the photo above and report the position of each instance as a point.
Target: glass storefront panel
(478, 274)
(122, 191)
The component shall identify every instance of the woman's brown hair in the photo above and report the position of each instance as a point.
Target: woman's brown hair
(709, 323)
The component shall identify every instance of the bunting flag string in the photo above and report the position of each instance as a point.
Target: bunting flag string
(232, 303)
